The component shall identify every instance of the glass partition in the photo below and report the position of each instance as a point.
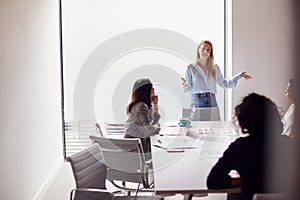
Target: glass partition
(108, 44)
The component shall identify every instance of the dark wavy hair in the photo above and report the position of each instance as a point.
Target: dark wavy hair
(258, 116)
(141, 92)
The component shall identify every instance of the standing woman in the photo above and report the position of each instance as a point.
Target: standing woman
(202, 76)
(142, 114)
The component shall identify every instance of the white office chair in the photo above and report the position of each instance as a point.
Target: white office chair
(125, 161)
(98, 129)
(114, 129)
(202, 114)
(90, 174)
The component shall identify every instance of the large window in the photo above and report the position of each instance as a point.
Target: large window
(108, 44)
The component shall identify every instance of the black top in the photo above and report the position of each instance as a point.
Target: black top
(262, 165)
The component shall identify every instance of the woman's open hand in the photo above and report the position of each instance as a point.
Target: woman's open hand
(245, 75)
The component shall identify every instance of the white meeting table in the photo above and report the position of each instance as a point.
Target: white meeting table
(186, 171)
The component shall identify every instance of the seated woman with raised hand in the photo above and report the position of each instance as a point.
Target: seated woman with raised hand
(288, 119)
(142, 113)
(260, 158)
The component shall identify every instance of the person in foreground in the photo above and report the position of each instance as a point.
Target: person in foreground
(288, 119)
(143, 115)
(260, 157)
(202, 77)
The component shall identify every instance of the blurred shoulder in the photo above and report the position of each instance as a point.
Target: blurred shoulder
(244, 142)
(217, 67)
(190, 66)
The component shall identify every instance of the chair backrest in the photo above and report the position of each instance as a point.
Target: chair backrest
(88, 168)
(98, 129)
(124, 158)
(202, 114)
(114, 129)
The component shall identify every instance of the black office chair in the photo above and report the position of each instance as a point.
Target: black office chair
(90, 175)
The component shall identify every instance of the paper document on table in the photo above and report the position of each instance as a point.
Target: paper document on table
(173, 131)
(211, 131)
(173, 123)
(213, 146)
(179, 142)
(227, 131)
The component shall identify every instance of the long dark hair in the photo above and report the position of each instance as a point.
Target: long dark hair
(258, 116)
(141, 92)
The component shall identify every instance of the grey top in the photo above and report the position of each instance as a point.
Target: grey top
(141, 120)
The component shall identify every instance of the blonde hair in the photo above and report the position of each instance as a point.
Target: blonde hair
(210, 61)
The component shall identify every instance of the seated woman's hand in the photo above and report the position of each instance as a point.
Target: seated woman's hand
(158, 124)
(154, 99)
(235, 182)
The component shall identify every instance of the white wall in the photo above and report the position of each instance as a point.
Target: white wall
(263, 46)
(30, 113)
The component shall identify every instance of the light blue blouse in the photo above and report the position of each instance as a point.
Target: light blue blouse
(200, 82)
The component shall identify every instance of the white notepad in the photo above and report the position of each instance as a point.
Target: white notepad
(178, 142)
(173, 131)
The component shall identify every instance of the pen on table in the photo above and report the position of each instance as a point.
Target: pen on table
(175, 150)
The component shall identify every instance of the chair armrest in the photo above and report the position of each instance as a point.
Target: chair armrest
(270, 196)
(81, 192)
(148, 162)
